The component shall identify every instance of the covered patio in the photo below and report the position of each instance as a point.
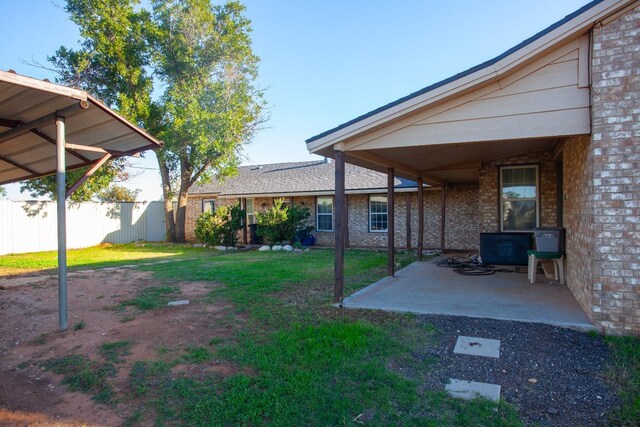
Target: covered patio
(425, 288)
(507, 145)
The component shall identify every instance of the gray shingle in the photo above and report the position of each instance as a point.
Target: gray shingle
(298, 177)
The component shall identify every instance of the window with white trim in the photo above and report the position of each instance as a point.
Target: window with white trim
(519, 204)
(251, 217)
(324, 213)
(378, 213)
(209, 205)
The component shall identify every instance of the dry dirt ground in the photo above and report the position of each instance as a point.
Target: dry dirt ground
(30, 395)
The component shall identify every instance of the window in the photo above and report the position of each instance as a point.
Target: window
(251, 217)
(378, 213)
(324, 214)
(519, 198)
(208, 205)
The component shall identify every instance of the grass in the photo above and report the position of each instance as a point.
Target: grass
(151, 298)
(115, 351)
(81, 374)
(624, 374)
(79, 326)
(310, 364)
(105, 255)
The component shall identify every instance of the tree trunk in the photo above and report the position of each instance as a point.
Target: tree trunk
(181, 212)
(167, 196)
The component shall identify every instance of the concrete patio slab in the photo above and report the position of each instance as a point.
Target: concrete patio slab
(471, 390)
(425, 288)
(475, 346)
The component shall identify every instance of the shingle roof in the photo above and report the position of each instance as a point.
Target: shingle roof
(459, 75)
(295, 178)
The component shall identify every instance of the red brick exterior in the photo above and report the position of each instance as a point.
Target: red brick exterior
(615, 151)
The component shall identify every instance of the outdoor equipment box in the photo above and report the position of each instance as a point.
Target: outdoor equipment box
(549, 239)
(505, 248)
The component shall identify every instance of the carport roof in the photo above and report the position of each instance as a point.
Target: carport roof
(28, 108)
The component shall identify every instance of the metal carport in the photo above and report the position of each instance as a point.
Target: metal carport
(47, 128)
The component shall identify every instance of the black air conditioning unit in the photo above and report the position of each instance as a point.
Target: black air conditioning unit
(505, 248)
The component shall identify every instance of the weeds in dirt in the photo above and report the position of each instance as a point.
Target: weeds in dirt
(40, 339)
(197, 355)
(82, 374)
(151, 298)
(79, 326)
(624, 374)
(114, 351)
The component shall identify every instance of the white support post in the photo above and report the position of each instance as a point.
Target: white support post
(62, 222)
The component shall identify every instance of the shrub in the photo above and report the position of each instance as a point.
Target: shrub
(220, 227)
(282, 222)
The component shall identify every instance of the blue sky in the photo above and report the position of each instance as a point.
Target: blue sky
(322, 62)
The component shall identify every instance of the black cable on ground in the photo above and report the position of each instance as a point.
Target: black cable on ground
(471, 267)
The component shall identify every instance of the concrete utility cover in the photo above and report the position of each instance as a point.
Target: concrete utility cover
(179, 302)
(475, 346)
(471, 390)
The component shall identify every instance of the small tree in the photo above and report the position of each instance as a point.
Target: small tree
(220, 227)
(282, 222)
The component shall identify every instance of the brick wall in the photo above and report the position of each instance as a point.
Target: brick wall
(615, 100)
(489, 209)
(577, 220)
(461, 231)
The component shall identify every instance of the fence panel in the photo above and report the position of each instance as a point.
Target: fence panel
(32, 227)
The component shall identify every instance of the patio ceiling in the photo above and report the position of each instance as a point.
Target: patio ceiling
(28, 109)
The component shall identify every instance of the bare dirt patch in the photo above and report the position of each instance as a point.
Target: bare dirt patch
(31, 395)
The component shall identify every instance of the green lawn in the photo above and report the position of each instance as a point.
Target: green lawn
(105, 255)
(302, 362)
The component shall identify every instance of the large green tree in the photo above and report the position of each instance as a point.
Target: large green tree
(182, 69)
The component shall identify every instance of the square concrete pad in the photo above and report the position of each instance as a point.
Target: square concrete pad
(475, 346)
(471, 389)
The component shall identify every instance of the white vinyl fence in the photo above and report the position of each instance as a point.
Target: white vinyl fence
(32, 226)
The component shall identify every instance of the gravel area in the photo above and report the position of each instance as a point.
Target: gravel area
(553, 376)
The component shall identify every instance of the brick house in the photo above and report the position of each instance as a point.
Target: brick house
(312, 184)
(546, 134)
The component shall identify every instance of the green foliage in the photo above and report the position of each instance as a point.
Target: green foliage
(196, 56)
(282, 222)
(115, 351)
(197, 355)
(81, 374)
(624, 374)
(117, 194)
(3, 192)
(220, 227)
(95, 184)
(79, 326)
(151, 298)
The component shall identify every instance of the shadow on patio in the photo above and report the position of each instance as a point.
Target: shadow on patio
(425, 288)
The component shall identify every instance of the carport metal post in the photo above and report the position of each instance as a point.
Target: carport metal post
(62, 222)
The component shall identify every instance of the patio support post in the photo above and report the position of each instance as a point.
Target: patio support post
(443, 218)
(420, 218)
(243, 206)
(62, 220)
(390, 223)
(340, 198)
(407, 203)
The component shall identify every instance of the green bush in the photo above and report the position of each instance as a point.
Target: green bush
(282, 222)
(220, 227)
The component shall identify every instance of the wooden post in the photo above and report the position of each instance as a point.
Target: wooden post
(243, 206)
(420, 218)
(345, 220)
(443, 218)
(407, 202)
(340, 198)
(390, 223)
